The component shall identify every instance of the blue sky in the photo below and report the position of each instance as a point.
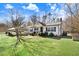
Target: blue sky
(29, 9)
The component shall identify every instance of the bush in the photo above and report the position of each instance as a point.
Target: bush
(43, 34)
(5, 32)
(51, 35)
(46, 33)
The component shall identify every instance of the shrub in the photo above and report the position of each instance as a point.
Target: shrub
(5, 32)
(46, 33)
(43, 34)
(51, 35)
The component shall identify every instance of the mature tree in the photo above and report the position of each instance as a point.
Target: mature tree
(34, 19)
(49, 16)
(44, 17)
(72, 20)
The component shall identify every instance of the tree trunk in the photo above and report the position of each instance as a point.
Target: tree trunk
(75, 36)
(17, 36)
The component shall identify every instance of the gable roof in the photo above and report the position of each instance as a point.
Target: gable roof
(42, 23)
(54, 24)
(38, 24)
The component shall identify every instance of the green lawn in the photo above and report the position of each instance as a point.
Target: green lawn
(38, 46)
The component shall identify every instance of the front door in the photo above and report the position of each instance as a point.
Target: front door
(41, 29)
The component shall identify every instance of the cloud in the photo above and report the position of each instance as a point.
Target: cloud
(56, 11)
(62, 13)
(31, 7)
(24, 7)
(59, 13)
(49, 4)
(53, 7)
(9, 6)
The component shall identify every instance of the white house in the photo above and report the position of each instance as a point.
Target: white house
(54, 26)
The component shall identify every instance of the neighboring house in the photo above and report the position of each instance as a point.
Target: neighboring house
(22, 31)
(54, 26)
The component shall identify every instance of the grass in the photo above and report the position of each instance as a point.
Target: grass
(38, 46)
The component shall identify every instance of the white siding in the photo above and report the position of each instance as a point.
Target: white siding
(57, 32)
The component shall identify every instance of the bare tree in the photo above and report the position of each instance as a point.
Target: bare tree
(16, 22)
(34, 21)
(44, 17)
(72, 21)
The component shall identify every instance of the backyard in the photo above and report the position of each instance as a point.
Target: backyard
(38, 46)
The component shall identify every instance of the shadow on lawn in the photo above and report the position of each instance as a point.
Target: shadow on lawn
(59, 37)
(67, 37)
(2, 49)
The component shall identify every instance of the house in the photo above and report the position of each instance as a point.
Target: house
(54, 26)
(12, 32)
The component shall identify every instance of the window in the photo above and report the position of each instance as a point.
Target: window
(60, 19)
(53, 29)
(35, 28)
(48, 29)
(31, 29)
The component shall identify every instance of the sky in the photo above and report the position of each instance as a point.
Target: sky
(28, 9)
